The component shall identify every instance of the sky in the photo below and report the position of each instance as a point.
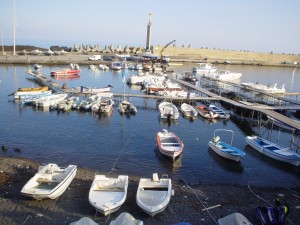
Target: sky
(252, 25)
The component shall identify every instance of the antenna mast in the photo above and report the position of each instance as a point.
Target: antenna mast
(14, 28)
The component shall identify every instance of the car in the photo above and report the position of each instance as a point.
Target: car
(107, 58)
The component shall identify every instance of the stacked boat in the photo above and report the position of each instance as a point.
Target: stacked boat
(24, 93)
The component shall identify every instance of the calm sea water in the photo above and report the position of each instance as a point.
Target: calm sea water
(127, 144)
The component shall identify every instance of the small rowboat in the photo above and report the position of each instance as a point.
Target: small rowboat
(274, 151)
(169, 144)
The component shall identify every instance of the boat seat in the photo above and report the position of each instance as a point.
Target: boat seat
(43, 180)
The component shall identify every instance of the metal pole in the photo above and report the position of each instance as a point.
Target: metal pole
(14, 28)
(3, 53)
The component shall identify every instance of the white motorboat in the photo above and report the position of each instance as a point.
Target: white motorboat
(153, 195)
(105, 105)
(188, 111)
(103, 67)
(272, 89)
(126, 107)
(168, 111)
(169, 144)
(33, 98)
(108, 194)
(222, 114)
(116, 66)
(30, 92)
(50, 100)
(223, 75)
(274, 151)
(49, 182)
(204, 68)
(141, 78)
(225, 150)
(66, 105)
(93, 90)
(206, 112)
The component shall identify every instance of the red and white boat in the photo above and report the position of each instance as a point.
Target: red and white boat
(169, 144)
(72, 71)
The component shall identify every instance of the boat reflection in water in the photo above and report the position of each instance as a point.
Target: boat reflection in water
(171, 166)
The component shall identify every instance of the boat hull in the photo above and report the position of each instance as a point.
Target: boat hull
(54, 193)
(64, 73)
(154, 196)
(278, 152)
(107, 195)
(223, 154)
(169, 144)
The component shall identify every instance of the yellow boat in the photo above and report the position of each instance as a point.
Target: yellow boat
(45, 88)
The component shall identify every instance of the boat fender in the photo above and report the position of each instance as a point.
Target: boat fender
(172, 193)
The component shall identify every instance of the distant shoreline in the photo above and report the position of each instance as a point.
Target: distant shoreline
(176, 54)
(82, 58)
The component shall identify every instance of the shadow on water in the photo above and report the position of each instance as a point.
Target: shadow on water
(226, 164)
(272, 162)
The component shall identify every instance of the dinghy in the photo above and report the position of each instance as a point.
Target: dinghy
(168, 111)
(274, 151)
(108, 194)
(49, 182)
(222, 114)
(126, 107)
(169, 144)
(188, 111)
(225, 150)
(153, 195)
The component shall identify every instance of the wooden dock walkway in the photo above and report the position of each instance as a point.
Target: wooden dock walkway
(208, 96)
(260, 108)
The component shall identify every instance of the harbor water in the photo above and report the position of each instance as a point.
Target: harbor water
(126, 144)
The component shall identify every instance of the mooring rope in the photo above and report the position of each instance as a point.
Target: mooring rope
(200, 201)
(29, 216)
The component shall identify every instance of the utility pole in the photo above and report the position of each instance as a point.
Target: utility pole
(14, 28)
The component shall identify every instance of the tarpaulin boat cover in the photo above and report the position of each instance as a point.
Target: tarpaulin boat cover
(84, 221)
(234, 219)
(126, 219)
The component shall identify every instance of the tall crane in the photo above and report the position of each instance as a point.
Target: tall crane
(161, 51)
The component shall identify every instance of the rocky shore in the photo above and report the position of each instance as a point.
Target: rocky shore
(188, 204)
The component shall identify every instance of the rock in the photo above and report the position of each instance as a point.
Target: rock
(4, 148)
